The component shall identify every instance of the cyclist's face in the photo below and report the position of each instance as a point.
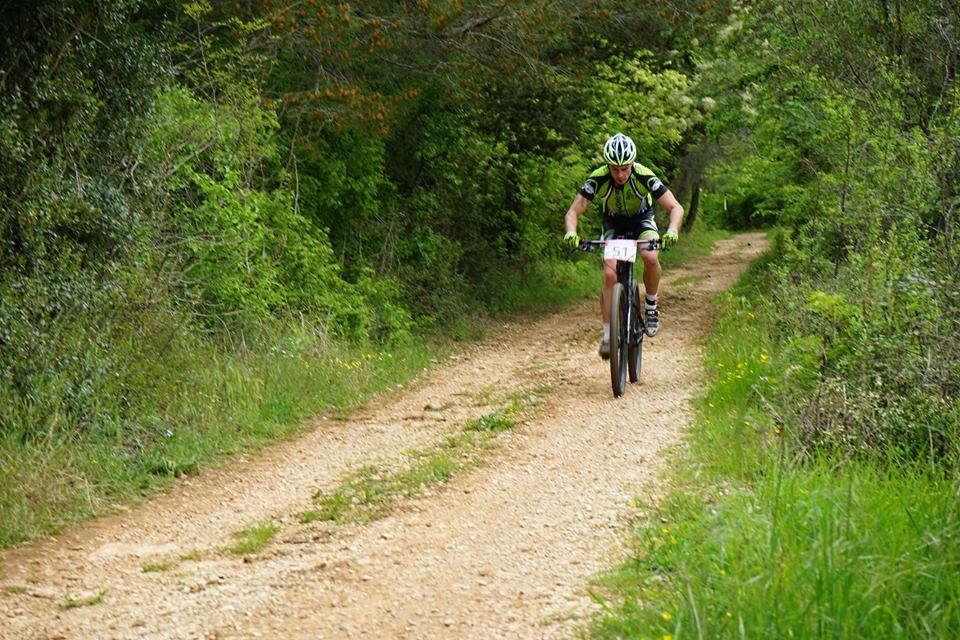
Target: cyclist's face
(621, 173)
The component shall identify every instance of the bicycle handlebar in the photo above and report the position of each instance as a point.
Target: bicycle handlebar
(597, 245)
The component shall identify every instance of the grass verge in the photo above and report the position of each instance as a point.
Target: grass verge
(754, 542)
(156, 567)
(254, 538)
(210, 405)
(371, 492)
(71, 603)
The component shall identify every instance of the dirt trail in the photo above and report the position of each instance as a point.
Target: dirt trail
(504, 550)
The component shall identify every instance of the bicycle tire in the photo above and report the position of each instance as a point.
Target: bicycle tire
(618, 339)
(635, 346)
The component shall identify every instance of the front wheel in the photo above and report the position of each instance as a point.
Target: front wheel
(635, 345)
(618, 339)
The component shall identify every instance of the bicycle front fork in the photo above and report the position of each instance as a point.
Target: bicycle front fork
(625, 277)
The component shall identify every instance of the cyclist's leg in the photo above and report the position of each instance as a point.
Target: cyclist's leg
(646, 229)
(651, 270)
(651, 274)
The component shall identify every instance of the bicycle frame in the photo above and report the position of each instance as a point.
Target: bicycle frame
(624, 267)
(625, 277)
(627, 328)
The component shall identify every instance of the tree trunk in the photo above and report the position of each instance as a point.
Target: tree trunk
(694, 205)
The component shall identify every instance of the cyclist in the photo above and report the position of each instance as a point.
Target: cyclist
(626, 191)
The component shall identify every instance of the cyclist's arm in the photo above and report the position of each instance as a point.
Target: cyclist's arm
(577, 207)
(675, 210)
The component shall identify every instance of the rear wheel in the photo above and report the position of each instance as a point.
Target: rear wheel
(618, 339)
(635, 345)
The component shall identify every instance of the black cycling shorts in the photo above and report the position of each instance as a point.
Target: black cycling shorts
(629, 226)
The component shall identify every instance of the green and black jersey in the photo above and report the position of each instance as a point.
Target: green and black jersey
(636, 197)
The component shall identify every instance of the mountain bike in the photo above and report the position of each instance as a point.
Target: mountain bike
(626, 318)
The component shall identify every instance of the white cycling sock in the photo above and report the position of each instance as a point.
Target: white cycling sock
(606, 331)
(651, 301)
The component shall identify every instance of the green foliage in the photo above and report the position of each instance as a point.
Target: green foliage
(854, 153)
(759, 537)
(653, 104)
(865, 343)
(73, 93)
(244, 252)
(161, 565)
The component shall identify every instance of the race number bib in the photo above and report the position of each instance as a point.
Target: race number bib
(624, 250)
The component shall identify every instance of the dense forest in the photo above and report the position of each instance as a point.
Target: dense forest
(206, 205)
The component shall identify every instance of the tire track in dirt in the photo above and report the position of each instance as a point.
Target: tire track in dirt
(503, 550)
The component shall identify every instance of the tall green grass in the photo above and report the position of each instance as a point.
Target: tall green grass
(206, 403)
(754, 542)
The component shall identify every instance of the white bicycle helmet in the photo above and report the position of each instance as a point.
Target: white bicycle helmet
(619, 150)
